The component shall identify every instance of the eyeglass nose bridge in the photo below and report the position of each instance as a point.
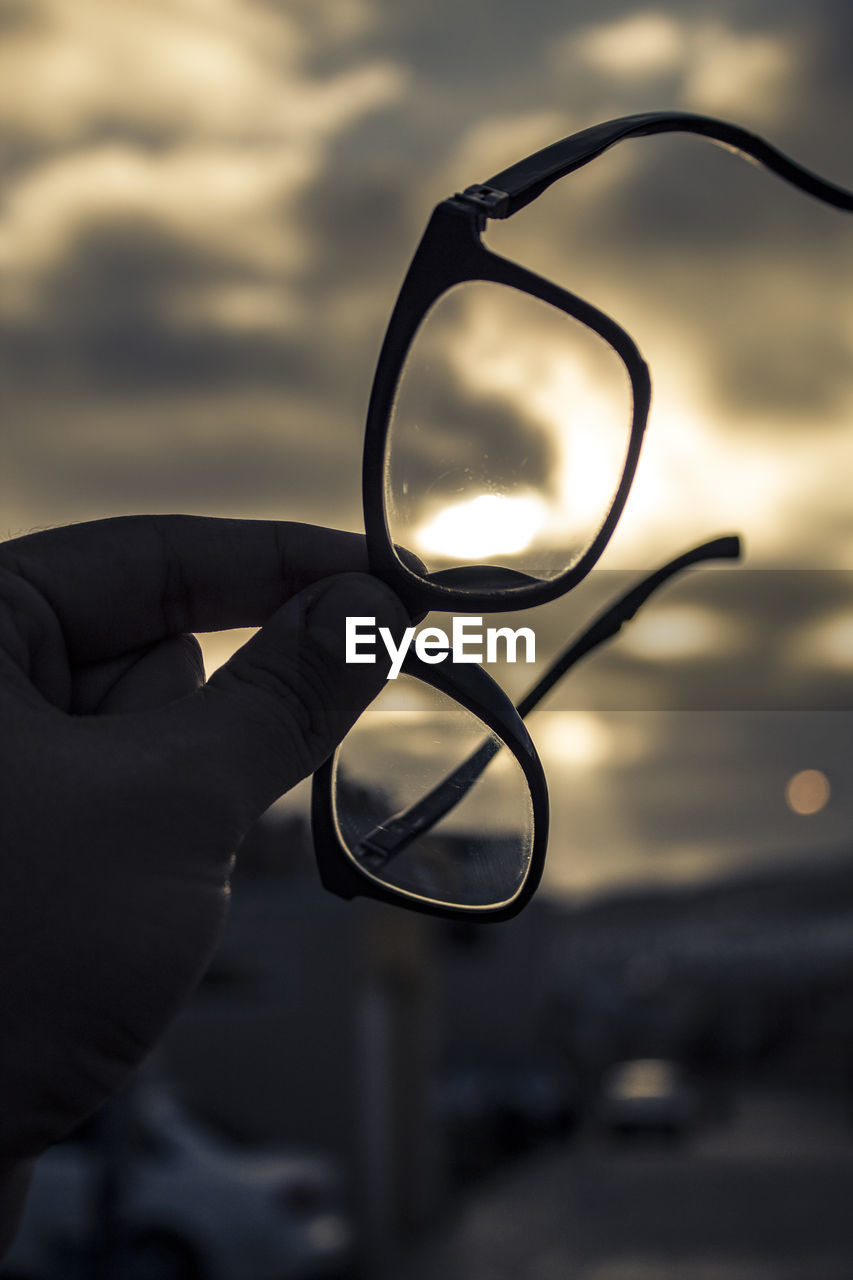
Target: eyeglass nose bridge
(451, 253)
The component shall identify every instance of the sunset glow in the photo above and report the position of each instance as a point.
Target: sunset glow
(479, 528)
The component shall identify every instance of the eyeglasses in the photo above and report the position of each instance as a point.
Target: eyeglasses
(392, 822)
(509, 470)
(506, 417)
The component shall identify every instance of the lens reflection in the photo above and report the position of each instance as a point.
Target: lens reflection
(407, 755)
(508, 437)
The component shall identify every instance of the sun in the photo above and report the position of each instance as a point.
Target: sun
(480, 528)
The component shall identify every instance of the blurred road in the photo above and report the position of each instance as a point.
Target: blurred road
(767, 1195)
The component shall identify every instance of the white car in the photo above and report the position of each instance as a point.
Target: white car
(191, 1206)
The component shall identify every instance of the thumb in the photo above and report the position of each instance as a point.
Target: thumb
(285, 700)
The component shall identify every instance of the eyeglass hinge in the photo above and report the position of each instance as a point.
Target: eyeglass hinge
(488, 200)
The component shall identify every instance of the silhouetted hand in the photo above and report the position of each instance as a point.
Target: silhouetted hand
(127, 783)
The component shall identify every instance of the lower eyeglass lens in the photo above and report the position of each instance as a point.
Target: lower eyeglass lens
(415, 813)
(508, 438)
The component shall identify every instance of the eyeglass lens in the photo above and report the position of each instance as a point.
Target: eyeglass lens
(508, 436)
(478, 853)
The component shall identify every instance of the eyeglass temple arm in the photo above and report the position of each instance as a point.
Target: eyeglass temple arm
(610, 622)
(393, 836)
(515, 187)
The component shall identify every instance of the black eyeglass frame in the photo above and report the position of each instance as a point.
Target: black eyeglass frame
(451, 253)
(478, 693)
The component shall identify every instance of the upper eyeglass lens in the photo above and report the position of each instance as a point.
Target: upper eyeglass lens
(507, 414)
(508, 437)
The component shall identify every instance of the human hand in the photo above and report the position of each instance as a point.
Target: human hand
(127, 783)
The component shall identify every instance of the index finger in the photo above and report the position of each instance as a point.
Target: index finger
(125, 582)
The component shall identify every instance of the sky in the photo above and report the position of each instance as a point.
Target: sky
(207, 209)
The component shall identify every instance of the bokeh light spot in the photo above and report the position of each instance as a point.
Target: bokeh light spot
(807, 792)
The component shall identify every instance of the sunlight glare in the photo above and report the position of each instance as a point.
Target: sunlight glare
(491, 524)
(563, 378)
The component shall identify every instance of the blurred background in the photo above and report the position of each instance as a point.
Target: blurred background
(207, 209)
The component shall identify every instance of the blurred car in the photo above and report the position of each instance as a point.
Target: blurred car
(491, 1113)
(190, 1206)
(647, 1095)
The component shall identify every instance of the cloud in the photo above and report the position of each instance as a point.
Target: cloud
(642, 45)
(501, 139)
(153, 227)
(150, 65)
(218, 200)
(731, 71)
(218, 68)
(198, 119)
(711, 66)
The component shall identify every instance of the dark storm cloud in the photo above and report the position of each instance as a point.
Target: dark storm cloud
(367, 208)
(107, 310)
(361, 209)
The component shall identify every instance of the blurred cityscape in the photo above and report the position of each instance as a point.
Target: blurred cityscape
(631, 1088)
